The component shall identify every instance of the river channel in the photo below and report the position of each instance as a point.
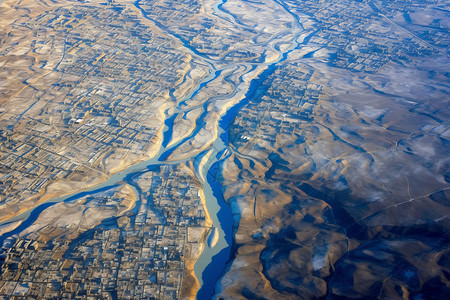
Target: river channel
(218, 210)
(216, 254)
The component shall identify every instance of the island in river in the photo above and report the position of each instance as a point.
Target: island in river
(224, 149)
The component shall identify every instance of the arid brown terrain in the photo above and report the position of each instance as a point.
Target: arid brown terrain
(228, 149)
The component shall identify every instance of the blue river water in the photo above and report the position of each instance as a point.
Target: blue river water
(214, 259)
(213, 271)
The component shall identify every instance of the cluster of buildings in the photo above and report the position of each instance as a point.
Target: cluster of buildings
(117, 69)
(137, 256)
(362, 36)
(286, 105)
(105, 101)
(206, 36)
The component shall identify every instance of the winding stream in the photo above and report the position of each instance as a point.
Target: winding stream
(212, 262)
